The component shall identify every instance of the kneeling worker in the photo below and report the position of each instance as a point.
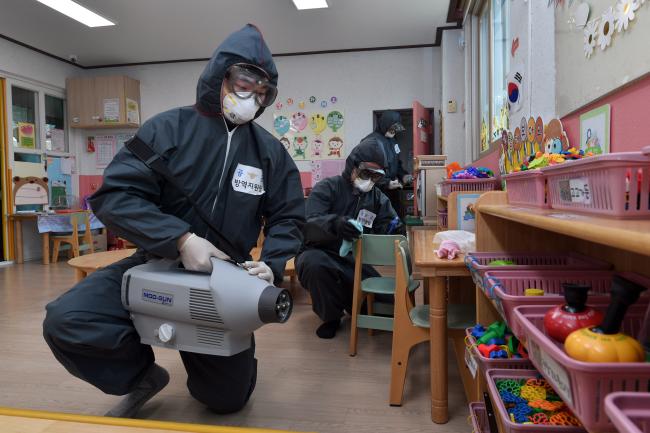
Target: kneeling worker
(333, 201)
(223, 171)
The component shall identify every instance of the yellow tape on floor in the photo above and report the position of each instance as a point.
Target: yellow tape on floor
(19, 418)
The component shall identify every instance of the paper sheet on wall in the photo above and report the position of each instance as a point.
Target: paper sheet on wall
(132, 111)
(121, 139)
(58, 140)
(112, 110)
(104, 150)
(67, 165)
(26, 135)
(322, 169)
(60, 183)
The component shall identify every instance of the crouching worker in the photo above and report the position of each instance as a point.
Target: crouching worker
(331, 205)
(224, 174)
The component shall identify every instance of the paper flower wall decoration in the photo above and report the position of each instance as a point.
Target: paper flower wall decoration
(625, 13)
(591, 34)
(606, 28)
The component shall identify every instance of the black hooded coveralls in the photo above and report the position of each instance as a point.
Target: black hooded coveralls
(87, 328)
(321, 270)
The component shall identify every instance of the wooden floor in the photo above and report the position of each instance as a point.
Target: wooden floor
(304, 383)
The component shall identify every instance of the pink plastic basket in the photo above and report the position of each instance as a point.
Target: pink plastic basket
(478, 263)
(442, 219)
(527, 188)
(584, 385)
(468, 185)
(479, 419)
(507, 426)
(488, 363)
(616, 185)
(509, 287)
(629, 411)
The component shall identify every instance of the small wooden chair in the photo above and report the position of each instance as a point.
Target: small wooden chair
(375, 250)
(72, 238)
(411, 323)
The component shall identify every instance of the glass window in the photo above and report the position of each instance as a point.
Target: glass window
(23, 114)
(54, 124)
(500, 66)
(484, 77)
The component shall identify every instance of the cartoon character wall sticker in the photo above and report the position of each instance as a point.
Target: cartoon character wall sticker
(539, 134)
(335, 120)
(555, 139)
(335, 146)
(317, 123)
(298, 121)
(530, 138)
(281, 125)
(300, 147)
(317, 147)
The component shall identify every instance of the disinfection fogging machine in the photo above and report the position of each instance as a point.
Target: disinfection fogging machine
(213, 314)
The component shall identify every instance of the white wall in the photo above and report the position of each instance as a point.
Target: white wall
(21, 64)
(362, 82)
(453, 88)
(581, 80)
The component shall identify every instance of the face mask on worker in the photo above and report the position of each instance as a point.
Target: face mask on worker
(239, 108)
(363, 185)
(390, 133)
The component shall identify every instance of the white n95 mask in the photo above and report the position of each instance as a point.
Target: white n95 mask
(363, 185)
(240, 108)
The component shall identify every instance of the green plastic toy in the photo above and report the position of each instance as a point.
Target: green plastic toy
(495, 330)
(501, 263)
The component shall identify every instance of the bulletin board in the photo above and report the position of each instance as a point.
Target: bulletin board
(312, 130)
(606, 70)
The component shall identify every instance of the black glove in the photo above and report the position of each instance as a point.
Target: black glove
(346, 230)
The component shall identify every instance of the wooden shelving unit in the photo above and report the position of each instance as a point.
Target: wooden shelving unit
(502, 227)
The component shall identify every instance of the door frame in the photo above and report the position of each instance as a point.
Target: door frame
(7, 237)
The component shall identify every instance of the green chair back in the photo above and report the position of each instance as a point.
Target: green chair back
(379, 250)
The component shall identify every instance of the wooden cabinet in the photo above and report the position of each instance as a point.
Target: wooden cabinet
(103, 102)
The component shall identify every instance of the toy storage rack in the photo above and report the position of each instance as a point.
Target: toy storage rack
(502, 227)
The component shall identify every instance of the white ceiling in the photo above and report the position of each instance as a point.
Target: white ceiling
(155, 30)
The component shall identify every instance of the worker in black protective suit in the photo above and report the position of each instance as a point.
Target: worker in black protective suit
(333, 201)
(390, 124)
(209, 147)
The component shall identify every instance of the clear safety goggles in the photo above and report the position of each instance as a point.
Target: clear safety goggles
(365, 171)
(246, 81)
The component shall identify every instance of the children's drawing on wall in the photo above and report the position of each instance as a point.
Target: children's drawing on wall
(466, 219)
(300, 147)
(335, 145)
(335, 120)
(281, 125)
(298, 121)
(594, 130)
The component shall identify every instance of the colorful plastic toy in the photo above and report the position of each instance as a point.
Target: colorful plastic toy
(501, 263)
(563, 319)
(534, 292)
(495, 330)
(604, 343)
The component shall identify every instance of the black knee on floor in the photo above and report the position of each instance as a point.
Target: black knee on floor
(58, 322)
(224, 402)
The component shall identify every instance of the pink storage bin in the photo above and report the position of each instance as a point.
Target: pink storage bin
(629, 411)
(478, 263)
(479, 419)
(488, 363)
(468, 185)
(584, 385)
(616, 185)
(507, 426)
(527, 188)
(508, 288)
(442, 219)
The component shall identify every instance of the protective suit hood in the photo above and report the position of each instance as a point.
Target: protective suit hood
(244, 46)
(388, 119)
(366, 151)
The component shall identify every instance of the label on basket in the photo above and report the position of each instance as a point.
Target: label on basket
(575, 190)
(552, 371)
(471, 362)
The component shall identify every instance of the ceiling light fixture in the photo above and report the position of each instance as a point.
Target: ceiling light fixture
(309, 4)
(77, 12)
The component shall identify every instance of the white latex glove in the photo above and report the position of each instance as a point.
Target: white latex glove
(407, 179)
(196, 252)
(260, 269)
(394, 184)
